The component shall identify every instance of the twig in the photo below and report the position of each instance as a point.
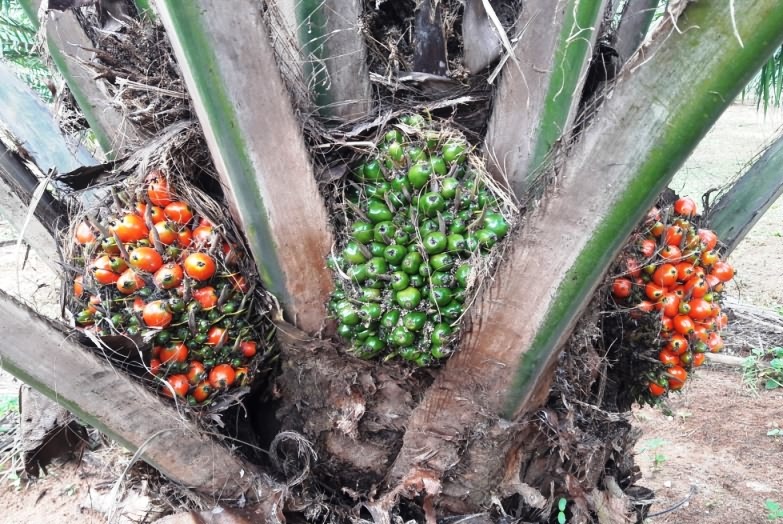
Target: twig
(734, 23)
(676, 506)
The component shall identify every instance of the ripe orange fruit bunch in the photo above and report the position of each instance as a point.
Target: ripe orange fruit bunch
(672, 276)
(154, 269)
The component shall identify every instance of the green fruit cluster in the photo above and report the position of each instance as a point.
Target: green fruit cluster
(420, 218)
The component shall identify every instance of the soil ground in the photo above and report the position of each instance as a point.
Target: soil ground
(57, 497)
(712, 437)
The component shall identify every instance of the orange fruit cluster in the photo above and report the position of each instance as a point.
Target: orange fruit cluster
(674, 274)
(154, 270)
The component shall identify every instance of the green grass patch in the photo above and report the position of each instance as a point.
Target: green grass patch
(8, 403)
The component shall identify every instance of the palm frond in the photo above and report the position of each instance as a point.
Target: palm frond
(767, 87)
(18, 27)
(18, 47)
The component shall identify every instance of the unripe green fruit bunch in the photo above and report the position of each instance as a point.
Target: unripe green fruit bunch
(423, 216)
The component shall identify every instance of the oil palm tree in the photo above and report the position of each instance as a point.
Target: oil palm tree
(585, 167)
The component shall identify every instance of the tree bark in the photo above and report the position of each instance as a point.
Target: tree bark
(68, 46)
(452, 439)
(28, 127)
(429, 54)
(353, 411)
(24, 161)
(15, 209)
(19, 185)
(332, 52)
(479, 37)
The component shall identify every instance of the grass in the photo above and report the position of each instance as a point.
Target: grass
(652, 448)
(763, 366)
(8, 403)
(774, 510)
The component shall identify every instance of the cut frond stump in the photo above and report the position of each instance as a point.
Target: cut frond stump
(256, 143)
(36, 351)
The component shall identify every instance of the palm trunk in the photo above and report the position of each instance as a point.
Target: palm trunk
(464, 438)
(634, 25)
(657, 113)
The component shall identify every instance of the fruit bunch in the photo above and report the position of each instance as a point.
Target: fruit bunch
(421, 216)
(152, 270)
(671, 282)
